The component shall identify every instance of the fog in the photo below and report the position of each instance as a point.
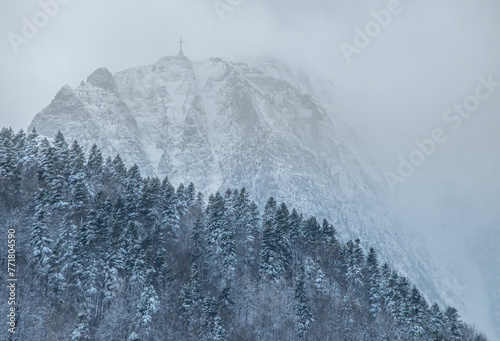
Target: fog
(394, 91)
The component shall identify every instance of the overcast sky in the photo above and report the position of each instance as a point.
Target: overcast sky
(392, 92)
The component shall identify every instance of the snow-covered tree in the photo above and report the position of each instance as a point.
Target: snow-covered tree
(303, 313)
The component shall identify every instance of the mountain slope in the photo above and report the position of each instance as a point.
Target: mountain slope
(230, 125)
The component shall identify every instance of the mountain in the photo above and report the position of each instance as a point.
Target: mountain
(263, 126)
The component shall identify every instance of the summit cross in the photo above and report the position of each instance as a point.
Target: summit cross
(180, 43)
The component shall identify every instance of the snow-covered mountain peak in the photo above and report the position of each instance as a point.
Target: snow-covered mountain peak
(65, 92)
(102, 78)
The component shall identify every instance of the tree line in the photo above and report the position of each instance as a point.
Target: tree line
(106, 254)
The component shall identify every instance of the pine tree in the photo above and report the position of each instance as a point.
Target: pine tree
(315, 276)
(213, 321)
(11, 166)
(80, 195)
(246, 219)
(404, 289)
(54, 169)
(453, 325)
(76, 159)
(99, 225)
(7, 153)
(46, 164)
(416, 314)
(133, 192)
(303, 314)
(192, 302)
(328, 233)
(61, 162)
(281, 222)
(41, 240)
(312, 231)
(198, 206)
(385, 288)
(353, 260)
(227, 245)
(436, 323)
(181, 202)
(119, 170)
(94, 163)
(270, 249)
(31, 152)
(107, 176)
(151, 194)
(296, 240)
(169, 210)
(60, 259)
(19, 141)
(373, 280)
(78, 187)
(190, 193)
(295, 226)
(399, 303)
(198, 249)
(148, 306)
(221, 236)
(393, 298)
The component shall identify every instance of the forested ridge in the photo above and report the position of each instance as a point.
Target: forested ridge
(103, 253)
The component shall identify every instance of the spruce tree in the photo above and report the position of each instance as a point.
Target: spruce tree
(168, 205)
(270, 249)
(76, 159)
(303, 314)
(221, 236)
(282, 224)
(41, 240)
(453, 325)
(133, 192)
(373, 279)
(436, 323)
(7, 152)
(94, 163)
(61, 161)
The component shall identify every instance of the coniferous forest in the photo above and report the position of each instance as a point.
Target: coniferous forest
(102, 253)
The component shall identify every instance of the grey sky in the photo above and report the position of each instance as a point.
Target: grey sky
(393, 92)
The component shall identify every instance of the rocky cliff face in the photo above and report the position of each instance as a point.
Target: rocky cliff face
(230, 125)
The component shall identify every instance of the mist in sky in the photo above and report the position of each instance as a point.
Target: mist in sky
(427, 57)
